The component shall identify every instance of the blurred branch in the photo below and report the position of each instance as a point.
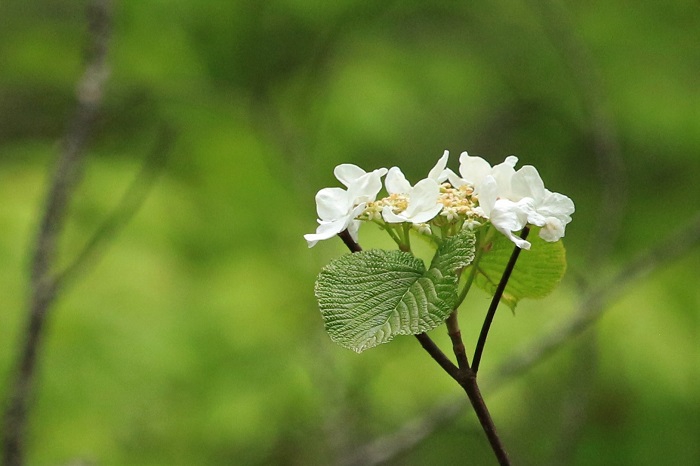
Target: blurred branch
(577, 400)
(559, 26)
(67, 172)
(561, 30)
(592, 306)
(595, 303)
(407, 436)
(129, 204)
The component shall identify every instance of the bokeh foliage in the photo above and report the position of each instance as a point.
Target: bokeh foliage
(197, 340)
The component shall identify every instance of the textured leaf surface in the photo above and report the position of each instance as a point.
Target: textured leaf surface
(369, 297)
(536, 274)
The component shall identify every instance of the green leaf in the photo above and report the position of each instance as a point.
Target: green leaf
(455, 252)
(537, 271)
(369, 297)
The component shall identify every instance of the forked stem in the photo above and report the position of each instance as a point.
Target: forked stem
(463, 375)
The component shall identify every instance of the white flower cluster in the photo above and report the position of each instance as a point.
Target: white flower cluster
(508, 199)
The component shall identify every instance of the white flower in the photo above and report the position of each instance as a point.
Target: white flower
(423, 198)
(492, 186)
(440, 171)
(551, 211)
(503, 174)
(362, 185)
(337, 207)
(473, 171)
(508, 199)
(511, 200)
(504, 214)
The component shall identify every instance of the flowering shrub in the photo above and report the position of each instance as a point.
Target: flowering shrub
(472, 219)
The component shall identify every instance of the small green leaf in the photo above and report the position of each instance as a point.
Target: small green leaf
(536, 274)
(455, 252)
(369, 297)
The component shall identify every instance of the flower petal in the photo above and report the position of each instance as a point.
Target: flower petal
(527, 182)
(353, 228)
(324, 231)
(508, 216)
(332, 203)
(503, 173)
(557, 205)
(454, 179)
(487, 194)
(347, 173)
(473, 169)
(552, 230)
(426, 215)
(390, 217)
(396, 182)
(438, 172)
(423, 202)
(366, 187)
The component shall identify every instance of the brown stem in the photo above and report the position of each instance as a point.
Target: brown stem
(455, 335)
(349, 242)
(466, 378)
(494, 304)
(470, 386)
(433, 350)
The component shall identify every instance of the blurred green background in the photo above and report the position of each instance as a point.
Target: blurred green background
(196, 339)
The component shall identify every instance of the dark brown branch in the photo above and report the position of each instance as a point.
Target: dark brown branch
(43, 285)
(494, 304)
(455, 335)
(471, 387)
(436, 353)
(349, 242)
(557, 23)
(466, 378)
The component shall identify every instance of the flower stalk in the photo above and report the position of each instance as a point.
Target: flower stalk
(494, 304)
(463, 375)
(368, 298)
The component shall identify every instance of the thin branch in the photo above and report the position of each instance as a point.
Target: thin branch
(455, 334)
(441, 358)
(471, 387)
(494, 304)
(466, 378)
(43, 285)
(411, 433)
(128, 206)
(559, 26)
(349, 242)
(596, 302)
